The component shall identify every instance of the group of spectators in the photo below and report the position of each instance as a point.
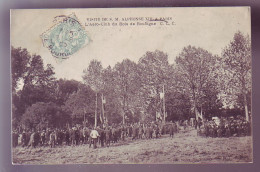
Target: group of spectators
(225, 127)
(79, 135)
(104, 136)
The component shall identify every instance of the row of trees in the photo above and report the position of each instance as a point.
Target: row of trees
(199, 84)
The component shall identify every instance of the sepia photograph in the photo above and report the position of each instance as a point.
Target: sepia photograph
(165, 85)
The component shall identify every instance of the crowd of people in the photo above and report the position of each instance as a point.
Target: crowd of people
(225, 127)
(106, 135)
(78, 135)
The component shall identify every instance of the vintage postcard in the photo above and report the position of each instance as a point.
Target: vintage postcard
(131, 86)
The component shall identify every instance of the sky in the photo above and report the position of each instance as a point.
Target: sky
(211, 28)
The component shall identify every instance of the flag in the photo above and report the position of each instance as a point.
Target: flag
(158, 116)
(161, 95)
(103, 100)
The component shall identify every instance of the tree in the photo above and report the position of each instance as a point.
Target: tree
(19, 65)
(93, 78)
(43, 115)
(155, 72)
(112, 107)
(31, 81)
(126, 86)
(237, 68)
(178, 105)
(80, 105)
(195, 74)
(63, 90)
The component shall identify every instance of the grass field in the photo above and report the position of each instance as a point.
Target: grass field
(185, 147)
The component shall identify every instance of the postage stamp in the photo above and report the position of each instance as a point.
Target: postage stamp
(66, 37)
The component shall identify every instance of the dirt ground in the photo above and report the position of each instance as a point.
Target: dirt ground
(185, 147)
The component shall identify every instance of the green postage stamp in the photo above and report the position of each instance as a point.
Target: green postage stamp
(66, 37)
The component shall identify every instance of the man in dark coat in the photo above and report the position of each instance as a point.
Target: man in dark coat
(123, 132)
(59, 137)
(150, 129)
(108, 136)
(135, 132)
(24, 139)
(53, 137)
(130, 132)
(101, 136)
(15, 138)
(73, 136)
(171, 130)
(86, 133)
(37, 139)
(157, 131)
(28, 135)
(114, 136)
(77, 136)
(67, 137)
(48, 132)
(43, 138)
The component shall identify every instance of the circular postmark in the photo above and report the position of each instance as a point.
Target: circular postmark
(66, 37)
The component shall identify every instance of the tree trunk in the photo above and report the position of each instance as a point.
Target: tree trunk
(244, 92)
(195, 105)
(164, 115)
(103, 110)
(196, 111)
(246, 108)
(124, 104)
(123, 117)
(96, 112)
